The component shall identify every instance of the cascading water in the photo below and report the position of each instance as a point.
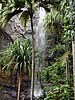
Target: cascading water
(40, 47)
(40, 40)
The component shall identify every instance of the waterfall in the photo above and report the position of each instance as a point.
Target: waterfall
(40, 39)
(40, 47)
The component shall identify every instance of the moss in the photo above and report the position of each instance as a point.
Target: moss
(1, 88)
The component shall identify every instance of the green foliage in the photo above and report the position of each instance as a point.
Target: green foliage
(57, 51)
(53, 74)
(11, 8)
(62, 59)
(1, 88)
(62, 92)
(19, 3)
(24, 17)
(7, 7)
(56, 88)
(67, 8)
(54, 17)
(16, 57)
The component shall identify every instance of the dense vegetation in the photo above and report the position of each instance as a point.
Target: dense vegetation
(58, 78)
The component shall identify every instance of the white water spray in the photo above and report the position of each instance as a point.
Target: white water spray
(40, 45)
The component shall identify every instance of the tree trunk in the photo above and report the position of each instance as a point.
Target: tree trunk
(73, 52)
(33, 56)
(67, 71)
(67, 64)
(19, 86)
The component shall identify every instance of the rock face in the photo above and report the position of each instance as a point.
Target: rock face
(38, 91)
(11, 94)
(5, 96)
(4, 39)
(14, 28)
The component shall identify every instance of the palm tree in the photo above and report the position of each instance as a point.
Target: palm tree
(73, 39)
(25, 7)
(18, 61)
(73, 52)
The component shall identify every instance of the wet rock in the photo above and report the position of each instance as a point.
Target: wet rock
(6, 97)
(4, 91)
(13, 93)
(9, 93)
(38, 91)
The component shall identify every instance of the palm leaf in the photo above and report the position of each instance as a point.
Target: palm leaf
(16, 67)
(3, 1)
(19, 3)
(21, 65)
(63, 58)
(4, 68)
(24, 66)
(16, 57)
(24, 17)
(8, 15)
(28, 2)
(29, 69)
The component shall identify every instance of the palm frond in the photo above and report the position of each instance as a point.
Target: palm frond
(4, 68)
(24, 17)
(29, 68)
(24, 68)
(52, 18)
(19, 4)
(16, 66)
(16, 57)
(28, 2)
(3, 1)
(8, 15)
(63, 58)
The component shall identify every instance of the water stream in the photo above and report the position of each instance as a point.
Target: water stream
(40, 47)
